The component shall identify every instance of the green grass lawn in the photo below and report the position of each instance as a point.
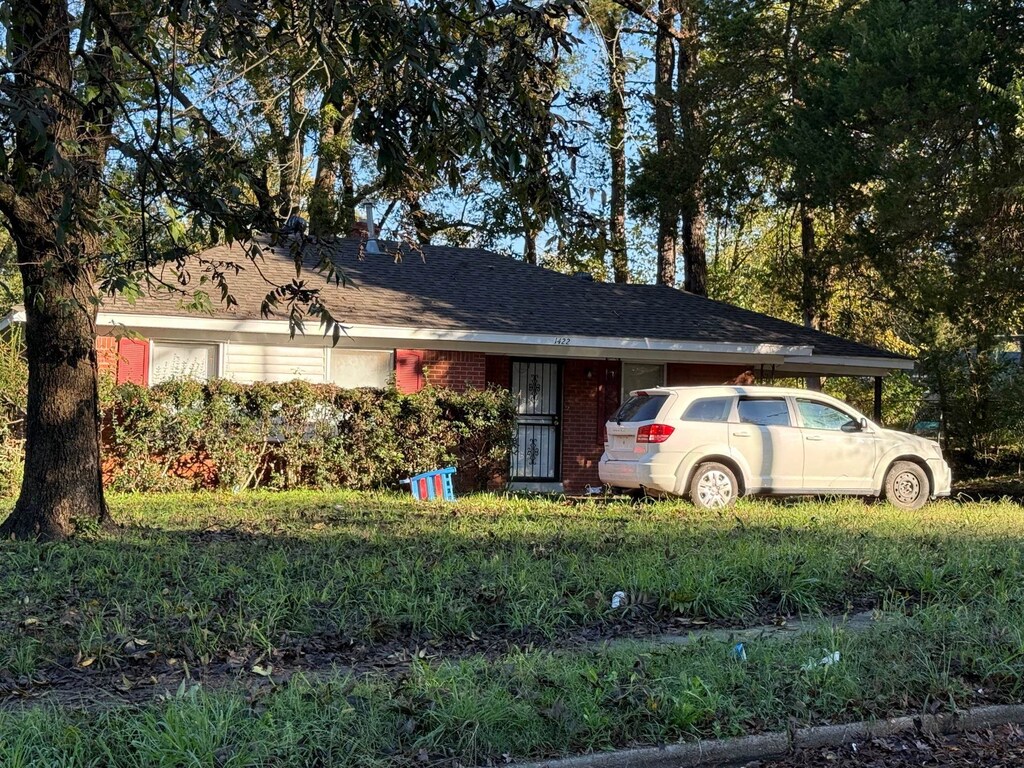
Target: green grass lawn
(237, 583)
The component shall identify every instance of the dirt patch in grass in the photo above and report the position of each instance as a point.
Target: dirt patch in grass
(141, 673)
(1001, 747)
(1009, 487)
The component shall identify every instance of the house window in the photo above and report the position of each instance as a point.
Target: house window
(178, 360)
(641, 376)
(361, 368)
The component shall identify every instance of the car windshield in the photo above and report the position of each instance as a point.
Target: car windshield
(640, 407)
(817, 415)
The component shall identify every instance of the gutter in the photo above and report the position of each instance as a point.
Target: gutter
(797, 357)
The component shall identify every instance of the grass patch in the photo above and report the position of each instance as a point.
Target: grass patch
(538, 704)
(200, 577)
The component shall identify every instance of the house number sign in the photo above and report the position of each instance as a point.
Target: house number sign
(563, 341)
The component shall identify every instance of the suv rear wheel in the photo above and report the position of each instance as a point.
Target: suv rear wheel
(714, 486)
(907, 486)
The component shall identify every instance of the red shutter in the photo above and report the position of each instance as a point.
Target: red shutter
(409, 370)
(133, 362)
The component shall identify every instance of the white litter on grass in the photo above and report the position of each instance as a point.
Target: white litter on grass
(826, 661)
(618, 599)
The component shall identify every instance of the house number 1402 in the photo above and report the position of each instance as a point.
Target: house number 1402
(563, 341)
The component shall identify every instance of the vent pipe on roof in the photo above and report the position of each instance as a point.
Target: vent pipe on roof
(371, 230)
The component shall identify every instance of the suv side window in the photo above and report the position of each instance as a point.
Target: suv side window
(709, 409)
(764, 411)
(815, 415)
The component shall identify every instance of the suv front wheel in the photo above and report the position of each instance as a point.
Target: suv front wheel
(714, 486)
(907, 486)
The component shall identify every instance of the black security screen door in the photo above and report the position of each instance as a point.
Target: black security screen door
(535, 386)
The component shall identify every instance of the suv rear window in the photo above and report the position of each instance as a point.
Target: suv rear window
(709, 409)
(640, 407)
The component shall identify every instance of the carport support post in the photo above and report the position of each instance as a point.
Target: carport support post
(878, 400)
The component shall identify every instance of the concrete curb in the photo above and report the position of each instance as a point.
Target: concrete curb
(768, 745)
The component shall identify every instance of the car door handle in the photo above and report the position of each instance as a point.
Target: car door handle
(815, 438)
(741, 434)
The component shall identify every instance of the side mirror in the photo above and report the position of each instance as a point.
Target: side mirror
(855, 425)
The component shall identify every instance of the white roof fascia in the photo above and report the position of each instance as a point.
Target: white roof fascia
(864, 366)
(613, 345)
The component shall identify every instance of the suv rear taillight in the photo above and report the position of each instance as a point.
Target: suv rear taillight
(654, 433)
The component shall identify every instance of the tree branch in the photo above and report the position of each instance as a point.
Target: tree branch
(637, 7)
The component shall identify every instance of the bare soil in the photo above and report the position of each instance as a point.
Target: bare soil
(1001, 747)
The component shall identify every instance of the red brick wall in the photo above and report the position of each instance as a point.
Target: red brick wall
(694, 374)
(106, 354)
(590, 394)
(460, 371)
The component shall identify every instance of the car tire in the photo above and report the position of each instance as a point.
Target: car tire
(714, 486)
(907, 486)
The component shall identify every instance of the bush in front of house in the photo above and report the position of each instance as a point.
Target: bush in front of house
(186, 434)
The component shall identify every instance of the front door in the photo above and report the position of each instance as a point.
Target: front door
(536, 388)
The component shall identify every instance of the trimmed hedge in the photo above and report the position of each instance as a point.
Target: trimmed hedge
(188, 434)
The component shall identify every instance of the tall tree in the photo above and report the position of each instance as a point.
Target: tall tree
(693, 149)
(665, 141)
(83, 79)
(608, 20)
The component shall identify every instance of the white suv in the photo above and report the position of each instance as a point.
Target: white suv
(715, 444)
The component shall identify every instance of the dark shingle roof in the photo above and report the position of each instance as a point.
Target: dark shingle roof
(473, 289)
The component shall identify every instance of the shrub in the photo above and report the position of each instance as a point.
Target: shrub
(192, 434)
(980, 395)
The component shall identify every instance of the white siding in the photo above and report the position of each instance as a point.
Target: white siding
(247, 363)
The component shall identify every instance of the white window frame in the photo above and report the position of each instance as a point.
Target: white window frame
(329, 362)
(219, 347)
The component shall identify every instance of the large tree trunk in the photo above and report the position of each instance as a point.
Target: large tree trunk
(51, 217)
(63, 478)
(810, 306)
(695, 261)
(323, 201)
(529, 245)
(617, 116)
(418, 217)
(332, 211)
(664, 129)
(694, 150)
(292, 153)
